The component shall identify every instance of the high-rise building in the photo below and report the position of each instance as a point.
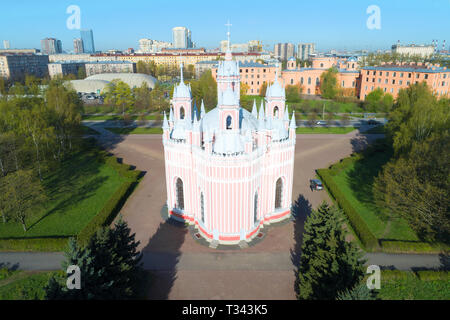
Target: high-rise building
(6, 44)
(78, 45)
(305, 49)
(290, 50)
(284, 51)
(51, 46)
(182, 38)
(87, 36)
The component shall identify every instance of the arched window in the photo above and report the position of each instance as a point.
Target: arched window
(321, 65)
(229, 123)
(255, 210)
(181, 113)
(275, 112)
(309, 91)
(317, 81)
(301, 80)
(309, 80)
(278, 193)
(292, 81)
(180, 194)
(202, 207)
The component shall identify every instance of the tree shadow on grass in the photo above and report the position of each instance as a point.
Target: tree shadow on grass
(76, 196)
(362, 176)
(301, 209)
(161, 256)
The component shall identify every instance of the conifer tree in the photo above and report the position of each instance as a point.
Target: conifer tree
(110, 267)
(328, 263)
(359, 292)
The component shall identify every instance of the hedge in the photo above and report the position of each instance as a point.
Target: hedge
(425, 275)
(412, 246)
(33, 244)
(367, 238)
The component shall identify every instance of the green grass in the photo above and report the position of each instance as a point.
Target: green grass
(134, 130)
(115, 117)
(25, 286)
(407, 285)
(355, 181)
(332, 130)
(76, 192)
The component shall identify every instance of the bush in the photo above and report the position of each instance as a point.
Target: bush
(34, 244)
(367, 238)
(413, 246)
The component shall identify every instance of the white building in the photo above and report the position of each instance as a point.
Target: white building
(413, 50)
(182, 38)
(152, 46)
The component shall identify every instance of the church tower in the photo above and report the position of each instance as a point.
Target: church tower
(182, 99)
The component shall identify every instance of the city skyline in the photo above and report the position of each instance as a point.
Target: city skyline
(330, 25)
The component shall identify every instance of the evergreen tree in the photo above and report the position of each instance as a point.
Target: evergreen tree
(328, 264)
(110, 267)
(359, 292)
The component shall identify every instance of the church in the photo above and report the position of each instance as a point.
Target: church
(229, 172)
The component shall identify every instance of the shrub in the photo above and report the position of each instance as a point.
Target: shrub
(412, 246)
(33, 244)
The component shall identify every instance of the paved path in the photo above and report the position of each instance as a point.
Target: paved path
(186, 270)
(218, 261)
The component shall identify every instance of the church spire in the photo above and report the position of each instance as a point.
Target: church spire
(181, 73)
(165, 123)
(293, 125)
(254, 111)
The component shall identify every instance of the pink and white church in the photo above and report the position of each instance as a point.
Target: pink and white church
(229, 172)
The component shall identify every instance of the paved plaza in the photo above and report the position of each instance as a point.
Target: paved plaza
(185, 269)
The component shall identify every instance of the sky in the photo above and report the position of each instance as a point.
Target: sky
(334, 24)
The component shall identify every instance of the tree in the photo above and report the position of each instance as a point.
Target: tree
(328, 83)
(110, 267)
(378, 101)
(262, 90)
(359, 292)
(22, 196)
(416, 187)
(328, 263)
(293, 93)
(414, 184)
(81, 74)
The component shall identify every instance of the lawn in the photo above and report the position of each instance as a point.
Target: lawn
(331, 130)
(407, 285)
(76, 192)
(25, 285)
(136, 130)
(355, 181)
(115, 117)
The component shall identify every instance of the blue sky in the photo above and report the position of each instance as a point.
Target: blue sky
(330, 24)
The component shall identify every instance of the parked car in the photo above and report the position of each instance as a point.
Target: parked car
(315, 184)
(90, 98)
(321, 123)
(372, 122)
